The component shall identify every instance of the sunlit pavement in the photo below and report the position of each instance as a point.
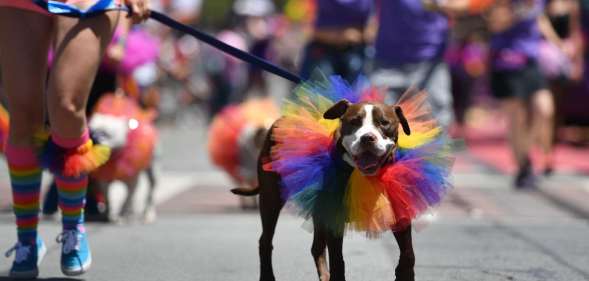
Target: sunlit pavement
(483, 231)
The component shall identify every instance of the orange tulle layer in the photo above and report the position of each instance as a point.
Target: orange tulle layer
(4, 121)
(478, 6)
(74, 162)
(85, 159)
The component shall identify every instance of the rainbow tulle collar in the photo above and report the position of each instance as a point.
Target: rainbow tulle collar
(320, 186)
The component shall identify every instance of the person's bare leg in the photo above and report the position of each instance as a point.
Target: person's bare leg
(24, 42)
(519, 136)
(24, 37)
(542, 105)
(80, 45)
(516, 111)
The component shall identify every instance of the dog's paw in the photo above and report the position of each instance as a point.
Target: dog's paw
(150, 215)
(126, 219)
(404, 274)
(120, 220)
(404, 270)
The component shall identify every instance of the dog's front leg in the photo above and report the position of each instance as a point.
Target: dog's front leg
(104, 188)
(127, 208)
(404, 270)
(318, 251)
(270, 206)
(337, 268)
(149, 213)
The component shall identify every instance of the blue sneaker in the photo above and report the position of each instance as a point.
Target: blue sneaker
(27, 259)
(75, 255)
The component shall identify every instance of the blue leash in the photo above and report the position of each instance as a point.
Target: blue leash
(63, 9)
(245, 56)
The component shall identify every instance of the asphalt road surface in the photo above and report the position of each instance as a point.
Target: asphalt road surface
(483, 231)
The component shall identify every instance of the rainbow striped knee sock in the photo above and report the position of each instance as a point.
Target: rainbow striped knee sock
(25, 178)
(72, 189)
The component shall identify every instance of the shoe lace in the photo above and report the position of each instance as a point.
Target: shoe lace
(70, 241)
(22, 252)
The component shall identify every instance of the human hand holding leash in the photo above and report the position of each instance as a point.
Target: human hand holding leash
(139, 10)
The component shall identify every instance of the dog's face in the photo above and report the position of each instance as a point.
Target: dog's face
(368, 132)
(110, 130)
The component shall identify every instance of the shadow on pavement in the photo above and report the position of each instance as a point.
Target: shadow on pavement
(4, 278)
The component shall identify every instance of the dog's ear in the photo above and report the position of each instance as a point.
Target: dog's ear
(337, 110)
(402, 120)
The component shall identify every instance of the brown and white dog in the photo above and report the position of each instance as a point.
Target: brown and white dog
(366, 139)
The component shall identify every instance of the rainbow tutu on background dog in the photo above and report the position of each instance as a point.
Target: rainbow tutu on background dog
(229, 126)
(141, 139)
(321, 186)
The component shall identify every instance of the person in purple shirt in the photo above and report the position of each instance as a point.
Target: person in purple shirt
(338, 42)
(516, 79)
(410, 45)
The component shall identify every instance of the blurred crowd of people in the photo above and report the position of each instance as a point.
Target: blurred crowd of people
(525, 56)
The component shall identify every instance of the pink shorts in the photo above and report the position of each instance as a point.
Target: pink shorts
(24, 5)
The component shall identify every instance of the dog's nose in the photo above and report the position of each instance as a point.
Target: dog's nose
(368, 138)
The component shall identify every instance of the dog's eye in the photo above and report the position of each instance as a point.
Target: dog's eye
(357, 122)
(385, 122)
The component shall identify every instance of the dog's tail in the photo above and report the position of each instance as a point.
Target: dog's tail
(244, 191)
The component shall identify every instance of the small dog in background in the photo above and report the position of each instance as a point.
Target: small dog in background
(118, 122)
(236, 136)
